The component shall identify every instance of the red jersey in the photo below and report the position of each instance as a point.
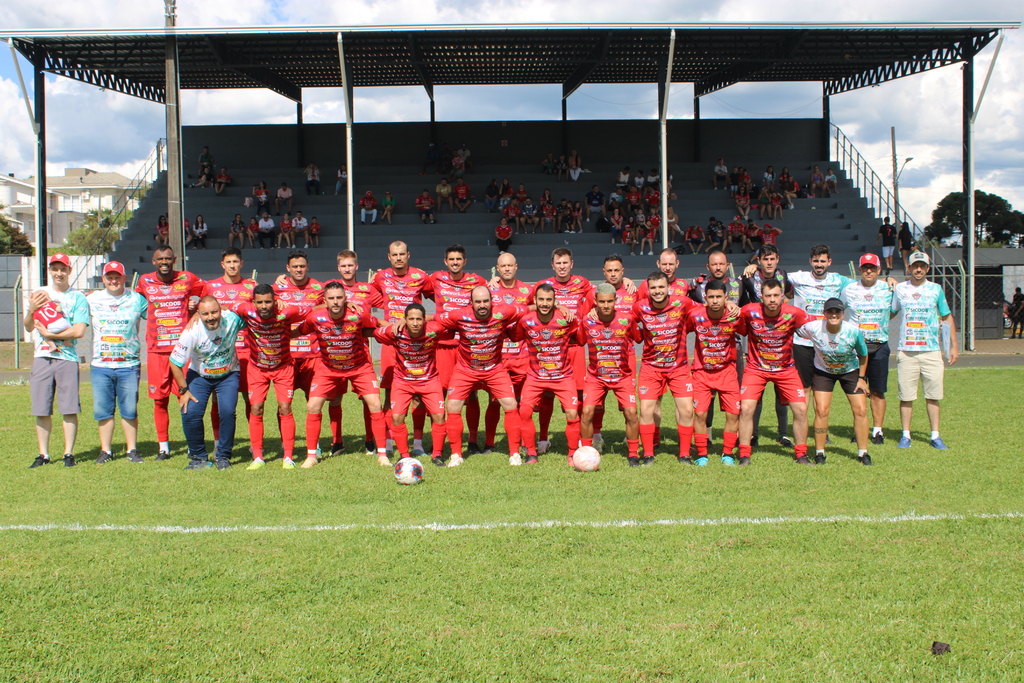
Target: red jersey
(547, 210)
(694, 232)
(480, 343)
(414, 357)
(653, 197)
(767, 235)
(304, 298)
(548, 345)
(770, 340)
(609, 345)
(231, 296)
(676, 287)
(451, 295)
(314, 228)
(424, 202)
(714, 347)
(516, 295)
(654, 222)
(633, 197)
(401, 290)
(168, 307)
(521, 195)
(503, 232)
(663, 331)
(623, 301)
(368, 203)
(572, 294)
(340, 341)
(512, 210)
(269, 341)
(286, 226)
(737, 228)
(462, 191)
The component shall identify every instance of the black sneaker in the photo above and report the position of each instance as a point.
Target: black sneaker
(39, 462)
(865, 459)
(472, 449)
(684, 460)
(819, 459)
(337, 448)
(648, 460)
(163, 455)
(487, 450)
(105, 456)
(133, 456)
(803, 460)
(633, 461)
(532, 460)
(437, 460)
(754, 441)
(786, 441)
(371, 448)
(197, 464)
(878, 439)
(223, 463)
(744, 460)
(69, 460)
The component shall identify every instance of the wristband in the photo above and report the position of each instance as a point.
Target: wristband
(864, 378)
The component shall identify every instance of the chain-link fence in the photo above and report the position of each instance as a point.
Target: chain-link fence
(998, 303)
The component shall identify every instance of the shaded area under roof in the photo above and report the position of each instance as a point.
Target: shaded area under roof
(287, 59)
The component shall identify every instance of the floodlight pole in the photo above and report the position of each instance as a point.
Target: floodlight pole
(345, 86)
(663, 115)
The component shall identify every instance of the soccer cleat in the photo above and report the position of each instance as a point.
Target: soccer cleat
(133, 456)
(437, 460)
(865, 459)
(455, 460)
(633, 461)
(702, 461)
(163, 455)
(684, 460)
(198, 464)
(417, 452)
(937, 443)
(488, 450)
(256, 464)
(744, 461)
(878, 439)
(223, 463)
(308, 463)
(803, 460)
(754, 441)
(648, 460)
(598, 441)
(288, 464)
(515, 460)
(532, 460)
(819, 459)
(69, 460)
(337, 448)
(728, 460)
(542, 447)
(904, 442)
(39, 461)
(382, 460)
(786, 441)
(472, 448)
(370, 447)
(105, 456)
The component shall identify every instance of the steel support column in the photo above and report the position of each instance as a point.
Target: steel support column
(175, 182)
(967, 211)
(663, 137)
(826, 120)
(346, 87)
(696, 128)
(42, 233)
(300, 136)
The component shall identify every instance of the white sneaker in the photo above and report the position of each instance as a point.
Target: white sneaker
(306, 247)
(455, 460)
(542, 447)
(515, 460)
(598, 441)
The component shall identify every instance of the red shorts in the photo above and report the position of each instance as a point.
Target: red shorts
(329, 383)
(243, 372)
(563, 389)
(465, 381)
(578, 358)
(517, 367)
(387, 365)
(430, 392)
(158, 375)
(786, 381)
(283, 377)
(724, 382)
(596, 389)
(305, 371)
(654, 382)
(445, 358)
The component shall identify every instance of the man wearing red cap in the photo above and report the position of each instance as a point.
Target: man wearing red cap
(368, 205)
(116, 360)
(57, 316)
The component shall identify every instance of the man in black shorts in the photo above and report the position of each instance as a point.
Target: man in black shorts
(887, 234)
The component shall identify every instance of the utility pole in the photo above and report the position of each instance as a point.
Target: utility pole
(895, 179)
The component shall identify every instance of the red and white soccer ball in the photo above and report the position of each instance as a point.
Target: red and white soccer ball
(408, 471)
(586, 459)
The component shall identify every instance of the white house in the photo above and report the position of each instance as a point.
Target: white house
(84, 190)
(19, 200)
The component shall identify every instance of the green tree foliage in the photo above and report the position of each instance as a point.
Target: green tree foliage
(996, 221)
(12, 240)
(96, 235)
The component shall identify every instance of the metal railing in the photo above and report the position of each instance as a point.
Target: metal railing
(127, 202)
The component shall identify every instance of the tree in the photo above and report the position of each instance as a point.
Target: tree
(12, 240)
(95, 235)
(994, 218)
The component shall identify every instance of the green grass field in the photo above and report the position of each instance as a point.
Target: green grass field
(774, 572)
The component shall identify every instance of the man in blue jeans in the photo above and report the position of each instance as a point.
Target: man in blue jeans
(115, 368)
(209, 348)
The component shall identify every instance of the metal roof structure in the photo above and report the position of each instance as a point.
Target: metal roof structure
(286, 59)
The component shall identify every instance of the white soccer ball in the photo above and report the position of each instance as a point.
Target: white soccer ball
(408, 471)
(586, 459)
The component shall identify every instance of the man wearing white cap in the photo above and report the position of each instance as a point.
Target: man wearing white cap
(116, 360)
(57, 317)
(922, 305)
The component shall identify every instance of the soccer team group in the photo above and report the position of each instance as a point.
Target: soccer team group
(523, 345)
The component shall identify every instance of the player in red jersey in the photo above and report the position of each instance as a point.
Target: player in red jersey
(231, 291)
(661, 318)
(169, 293)
(714, 368)
(510, 291)
(451, 291)
(771, 325)
(339, 332)
(548, 336)
(481, 328)
(416, 345)
(268, 342)
(609, 334)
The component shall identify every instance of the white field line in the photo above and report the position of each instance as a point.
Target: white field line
(545, 524)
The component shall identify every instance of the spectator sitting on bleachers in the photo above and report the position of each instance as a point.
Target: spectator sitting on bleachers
(342, 183)
(388, 206)
(466, 161)
(548, 217)
(746, 183)
(575, 165)
(653, 178)
(595, 201)
(775, 208)
(205, 160)
(647, 235)
(629, 235)
(163, 231)
(638, 180)
(615, 201)
(198, 232)
(512, 212)
(715, 235)
(368, 205)
(743, 203)
(443, 191)
(236, 232)
(563, 216)
(654, 221)
(505, 193)
(425, 206)
(286, 233)
(545, 197)
(252, 230)
(634, 200)
(672, 219)
(491, 196)
(562, 166)
(764, 202)
(314, 231)
(521, 194)
(547, 165)
(830, 182)
(528, 216)
(284, 196)
(206, 178)
(769, 234)
(694, 236)
(444, 161)
(261, 196)
(312, 172)
(790, 190)
(768, 179)
(266, 230)
(816, 186)
(430, 160)
(300, 228)
(652, 196)
(721, 174)
(784, 177)
(576, 212)
(222, 181)
(458, 166)
(736, 234)
(617, 223)
(622, 180)
(734, 179)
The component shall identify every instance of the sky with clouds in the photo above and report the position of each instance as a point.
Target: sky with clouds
(108, 131)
